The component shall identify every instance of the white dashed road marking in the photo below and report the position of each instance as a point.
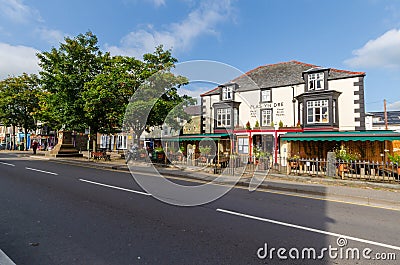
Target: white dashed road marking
(7, 164)
(115, 187)
(42, 171)
(309, 229)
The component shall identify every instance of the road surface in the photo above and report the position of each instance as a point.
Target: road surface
(57, 213)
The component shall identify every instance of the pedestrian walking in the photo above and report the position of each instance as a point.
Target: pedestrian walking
(35, 146)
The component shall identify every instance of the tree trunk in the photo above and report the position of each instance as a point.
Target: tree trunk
(94, 141)
(25, 139)
(13, 141)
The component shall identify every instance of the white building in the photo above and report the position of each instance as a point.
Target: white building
(376, 120)
(296, 95)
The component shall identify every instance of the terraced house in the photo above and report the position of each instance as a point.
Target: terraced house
(290, 108)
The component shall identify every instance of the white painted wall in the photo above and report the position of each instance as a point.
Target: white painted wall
(346, 102)
(282, 106)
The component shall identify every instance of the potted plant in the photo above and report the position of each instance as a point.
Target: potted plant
(204, 152)
(159, 154)
(261, 158)
(344, 156)
(248, 127)
(294, 161)
(395, 159)
(257, 125)
(142, 153)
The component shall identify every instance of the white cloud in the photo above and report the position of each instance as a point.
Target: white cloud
(17, 12)
(383, 51)
(53, 37)
(15, 60)
(178, 36)
(158, 3)
(394, 106)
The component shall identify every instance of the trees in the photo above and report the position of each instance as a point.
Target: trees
(19, 103)
(107, 95)
(157, 102)
(64, 73)
(83, 87)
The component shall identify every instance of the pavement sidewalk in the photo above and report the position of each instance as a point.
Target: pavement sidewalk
(385, 195)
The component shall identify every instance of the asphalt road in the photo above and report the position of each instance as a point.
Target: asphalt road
(55, 213)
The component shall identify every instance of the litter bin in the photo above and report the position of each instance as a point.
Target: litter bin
(21, 147)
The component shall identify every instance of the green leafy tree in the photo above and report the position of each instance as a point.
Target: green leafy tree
(157, 102)
(107, 95)
(64, 72)
(19, 104)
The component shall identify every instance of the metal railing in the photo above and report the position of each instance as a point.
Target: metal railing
(359, 170)
(315, 167)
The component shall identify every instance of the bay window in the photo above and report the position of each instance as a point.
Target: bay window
(224, 117)
(317, 111)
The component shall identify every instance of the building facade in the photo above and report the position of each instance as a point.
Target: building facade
(271, 100)
(376, 120)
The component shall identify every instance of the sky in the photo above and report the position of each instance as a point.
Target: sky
(355, 35)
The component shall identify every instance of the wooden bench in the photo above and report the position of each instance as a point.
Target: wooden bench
(101, 155)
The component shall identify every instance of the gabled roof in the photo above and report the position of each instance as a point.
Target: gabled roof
(193, 110)
(281, 74)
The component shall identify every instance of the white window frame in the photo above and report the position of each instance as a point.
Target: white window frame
(316, 81)
(224, 117)
(121, 142)
(227, 93)
(266, 117)
(243, 145)
(235, 117)
(104, 141)
(318, 111)
(266, 95)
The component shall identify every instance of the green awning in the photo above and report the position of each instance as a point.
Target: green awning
(342, 136)
(195, 137)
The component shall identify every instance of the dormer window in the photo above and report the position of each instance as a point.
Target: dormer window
(316, 81)
(266, 95)
(227, 93)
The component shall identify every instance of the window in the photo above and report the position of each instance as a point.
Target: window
(243, 145)
(316, 81)
(224, 117)
(266, 117)
(235, 117)
(317, 111)
(121, 142)
(227, 93)
(334, 110)
(104, 141)
(266, 95)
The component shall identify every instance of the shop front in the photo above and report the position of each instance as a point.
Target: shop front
(365, 145)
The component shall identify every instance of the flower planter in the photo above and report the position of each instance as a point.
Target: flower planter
(342, 169)
(294, 165)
